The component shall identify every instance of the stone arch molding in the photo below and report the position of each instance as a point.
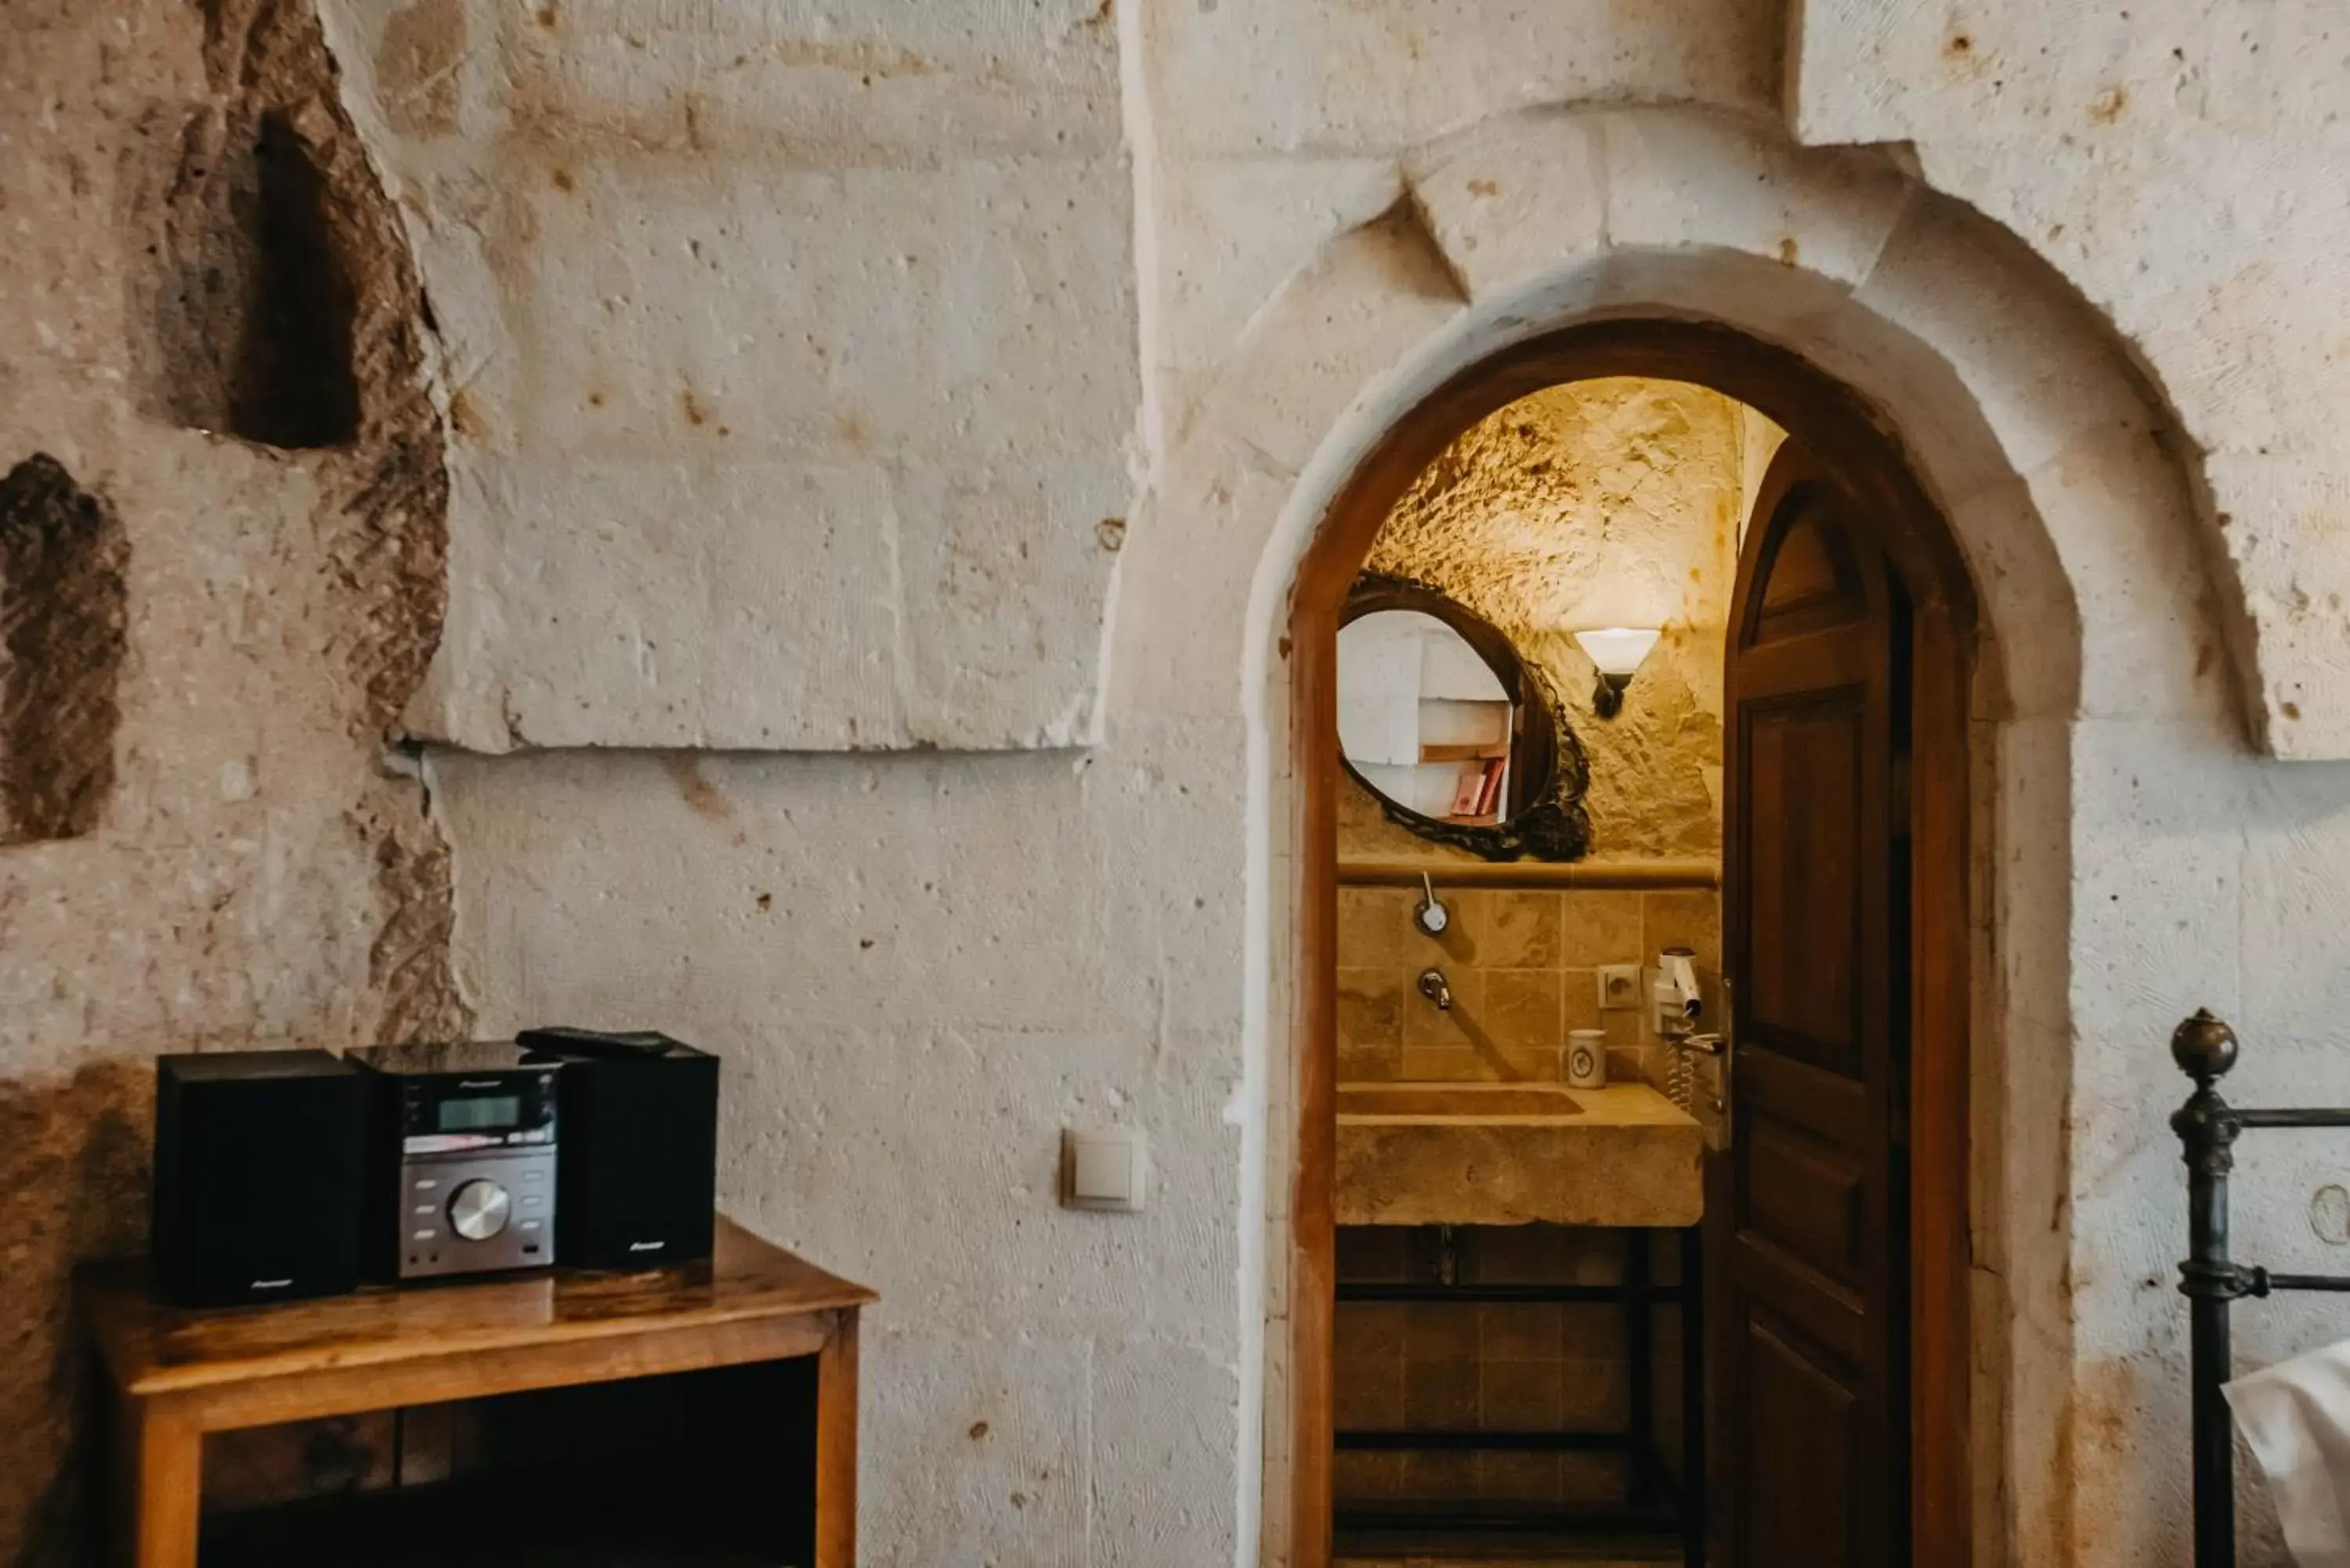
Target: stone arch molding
(2092, 547)
(2027, 422)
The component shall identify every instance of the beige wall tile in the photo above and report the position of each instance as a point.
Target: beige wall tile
(1371, 1006)
(1426, 1026)
(1370, 1025)
(1369, 1064)
(1592, 1257)
(1521, 1395)
(1600, 927)
(1590, 1479)
(1359, 1474)
(1372, 1253)
(1689, 918)
(1441, 1395)
(1447, 1065)
(1368, 1331)
(1579, 1000)
(1374, 928)
(1439, 1331)
(1367, 1396)
(1517, 1478)
(1521, 1331)
(1522, 1254)
(1522, 1007)
(1594, 1393)
(1591, 1331)
(1432, 1474)
(1507, 929)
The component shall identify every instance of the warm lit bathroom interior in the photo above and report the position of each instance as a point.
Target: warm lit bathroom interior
(1529, 943)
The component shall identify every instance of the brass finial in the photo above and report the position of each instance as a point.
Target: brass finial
(2204, 1047)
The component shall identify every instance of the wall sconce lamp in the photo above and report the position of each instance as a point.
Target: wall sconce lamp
(1616, 652)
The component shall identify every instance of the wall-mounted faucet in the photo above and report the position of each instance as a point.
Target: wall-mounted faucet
(1433, 986)
(1431, 916)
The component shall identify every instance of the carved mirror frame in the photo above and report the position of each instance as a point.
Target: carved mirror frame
(1549, 775)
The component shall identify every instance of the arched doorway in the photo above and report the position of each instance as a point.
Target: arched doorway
(1878, 482)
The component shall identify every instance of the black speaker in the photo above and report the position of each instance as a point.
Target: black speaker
(258, 1160)
(636, 1182)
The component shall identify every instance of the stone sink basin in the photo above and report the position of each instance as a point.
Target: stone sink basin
(1511, 1154)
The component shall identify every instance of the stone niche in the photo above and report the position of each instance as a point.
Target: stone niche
(62, 619)
(253, 305)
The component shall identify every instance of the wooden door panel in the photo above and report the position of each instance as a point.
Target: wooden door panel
(1807, 1198)
(1827, 1105)
(1806, 1202)
(1810, 575)
(1804, 1486)
(1803, 856)
(1829, 1313)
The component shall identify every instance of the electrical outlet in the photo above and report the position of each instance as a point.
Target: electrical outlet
(1620, 987)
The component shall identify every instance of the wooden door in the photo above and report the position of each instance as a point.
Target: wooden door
(1808, 1208)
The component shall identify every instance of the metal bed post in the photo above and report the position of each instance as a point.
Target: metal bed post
(2205, 1049)
(2210, 1279)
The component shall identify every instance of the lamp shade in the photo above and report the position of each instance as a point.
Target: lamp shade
(1618, 649)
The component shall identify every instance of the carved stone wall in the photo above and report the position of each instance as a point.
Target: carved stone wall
(207, 632)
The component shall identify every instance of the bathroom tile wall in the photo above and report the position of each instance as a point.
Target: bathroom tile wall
(1522, 965)
(1494, 1367)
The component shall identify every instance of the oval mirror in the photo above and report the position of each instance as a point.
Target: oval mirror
(1442, 722)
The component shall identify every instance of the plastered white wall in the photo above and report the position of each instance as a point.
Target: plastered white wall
(1174, 263)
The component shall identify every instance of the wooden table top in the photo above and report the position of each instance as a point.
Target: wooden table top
(153, 1349)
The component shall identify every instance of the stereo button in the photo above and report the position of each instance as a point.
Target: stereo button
(478, 1209)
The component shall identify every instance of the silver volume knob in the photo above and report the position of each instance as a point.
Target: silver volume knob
(478, 1209)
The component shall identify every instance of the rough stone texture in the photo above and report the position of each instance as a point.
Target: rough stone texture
(1012, 231)
(1610, 503)
(61, 626)
(1624, 1156)
(794, 365)
(261, 874)
(2177, 162)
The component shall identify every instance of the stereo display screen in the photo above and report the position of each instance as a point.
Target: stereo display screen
(478, 1112)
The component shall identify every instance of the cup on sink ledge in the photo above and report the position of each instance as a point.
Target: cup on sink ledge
(1586, 1058)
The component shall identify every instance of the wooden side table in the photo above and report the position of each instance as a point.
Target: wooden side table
(178, 1375)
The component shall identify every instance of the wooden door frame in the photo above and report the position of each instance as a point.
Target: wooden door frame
(1855, 444)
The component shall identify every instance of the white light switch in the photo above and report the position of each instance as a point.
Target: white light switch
(1106, 1171)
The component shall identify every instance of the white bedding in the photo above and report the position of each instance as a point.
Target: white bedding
(2295, 1416)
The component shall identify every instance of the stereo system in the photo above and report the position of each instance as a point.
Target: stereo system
(288, 1174)
(460, 1166)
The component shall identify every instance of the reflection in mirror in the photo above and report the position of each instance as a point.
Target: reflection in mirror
(1458, 738)
(1422, 719)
